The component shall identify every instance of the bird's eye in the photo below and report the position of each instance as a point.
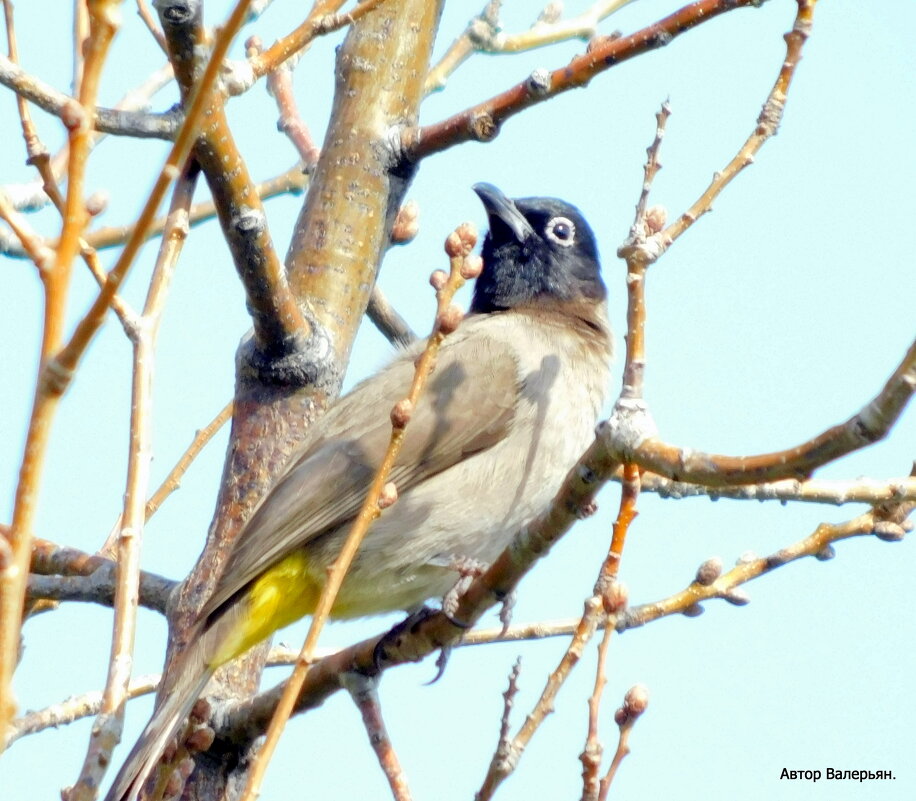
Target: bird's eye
(561, 230)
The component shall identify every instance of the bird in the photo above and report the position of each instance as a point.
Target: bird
(511, 405)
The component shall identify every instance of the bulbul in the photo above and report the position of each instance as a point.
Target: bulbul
(511, 405)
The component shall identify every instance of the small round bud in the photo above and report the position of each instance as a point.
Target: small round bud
(388, 496)
(584, 511)
(636, 701)
(615, 597)
(406, 224)
(401, 413)
(186, 767)
(200, 712)
(72, 114)
(694, 610)
(656, 217)
(450, 319)
(746, 558)
(737, 596)
(173, 786)
(200, 739)
(170, 750)
(826, 553)
(453, 245)
(621, 716)
(97, 202)
(438, 279)
(461, 240)
(472, 267)
(253, 45)
(468, 234)
(888, 531)
(709, 571)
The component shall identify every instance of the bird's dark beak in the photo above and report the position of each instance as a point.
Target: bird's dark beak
(501, 209)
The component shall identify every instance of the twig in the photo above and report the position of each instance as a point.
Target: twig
(136, 124)
(146, 15)
(321, 21)
(99, 588)
(889, 522)
(767, 124)
(14, 570)
(483, 35)
(482, 121)
(837, 492)
(632, 433)
(106, 732)
(290, 122)
(364, 692)
(293, 181)
(634, 704)
(173, 480)
(506, 759)
(462, 265)
(278, 323)
(386, 318)
(71, 709)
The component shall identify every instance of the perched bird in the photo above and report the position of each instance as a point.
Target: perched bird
(510, 407)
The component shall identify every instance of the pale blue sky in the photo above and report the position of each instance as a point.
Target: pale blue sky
(778, 315)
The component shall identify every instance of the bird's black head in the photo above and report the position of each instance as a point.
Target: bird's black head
(537, 249)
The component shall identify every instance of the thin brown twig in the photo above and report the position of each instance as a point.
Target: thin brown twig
(81, 32)
(106, 732)
(458, 247)
(505, 760)
(66, 360)
(364, 692)
(14, 571)
(73, 708)
(634, 704)
(631, 434)
(889, 522)
(106, 120)
(321, 20)
(150, 21)
(290, 122)
(33, 144)
(483, 35)
(593, 751)
(278, 322)
(173, 480)
(482, 121)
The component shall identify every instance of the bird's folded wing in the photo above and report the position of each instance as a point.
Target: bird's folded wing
(468, 406)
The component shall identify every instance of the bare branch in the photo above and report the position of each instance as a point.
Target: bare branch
(99, 587)
(138, 124)
(482, 121)
(630, 434)
(364, 692)
(71, 709)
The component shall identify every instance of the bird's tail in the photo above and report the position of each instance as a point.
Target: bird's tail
(176, 706)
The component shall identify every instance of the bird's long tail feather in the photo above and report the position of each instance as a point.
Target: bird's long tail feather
(143, 758)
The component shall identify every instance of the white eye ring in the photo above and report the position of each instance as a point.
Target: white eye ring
(561, 230)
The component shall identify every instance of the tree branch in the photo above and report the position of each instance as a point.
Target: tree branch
(482, 121)
(138, 124)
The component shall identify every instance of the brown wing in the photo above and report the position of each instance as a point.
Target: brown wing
(468, 406)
